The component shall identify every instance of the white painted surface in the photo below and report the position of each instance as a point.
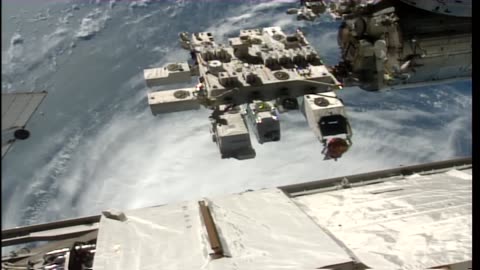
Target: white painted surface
(415, 223)
(266, 230)
(259, 230)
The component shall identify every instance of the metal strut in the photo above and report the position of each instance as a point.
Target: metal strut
(212, 232)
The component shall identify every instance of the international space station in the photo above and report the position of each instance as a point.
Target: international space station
(412, 217)
(262, 73)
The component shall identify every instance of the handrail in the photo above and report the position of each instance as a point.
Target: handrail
(402, 170)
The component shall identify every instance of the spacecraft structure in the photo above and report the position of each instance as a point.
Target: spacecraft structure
(385, 45)
(394, 44)
(17, 109)
(248, 83)
(334, 223)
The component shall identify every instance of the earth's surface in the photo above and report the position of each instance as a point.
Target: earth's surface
(96, 145)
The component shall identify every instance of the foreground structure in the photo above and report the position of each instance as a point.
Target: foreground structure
(413, 217)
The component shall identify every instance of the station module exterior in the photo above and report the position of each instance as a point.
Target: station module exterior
(392, 44)
(408, 217)
(259, 68)
(230, 132)
(264, 117)
(385, 44)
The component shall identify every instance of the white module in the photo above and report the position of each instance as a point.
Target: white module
(231, 135)
(326, 116)
(173, 101)
(171, 73)
(264, 119)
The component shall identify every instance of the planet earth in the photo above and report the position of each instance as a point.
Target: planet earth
(95, 144)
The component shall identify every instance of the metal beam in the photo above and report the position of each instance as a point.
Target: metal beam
(26, 230)
(357, 178)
